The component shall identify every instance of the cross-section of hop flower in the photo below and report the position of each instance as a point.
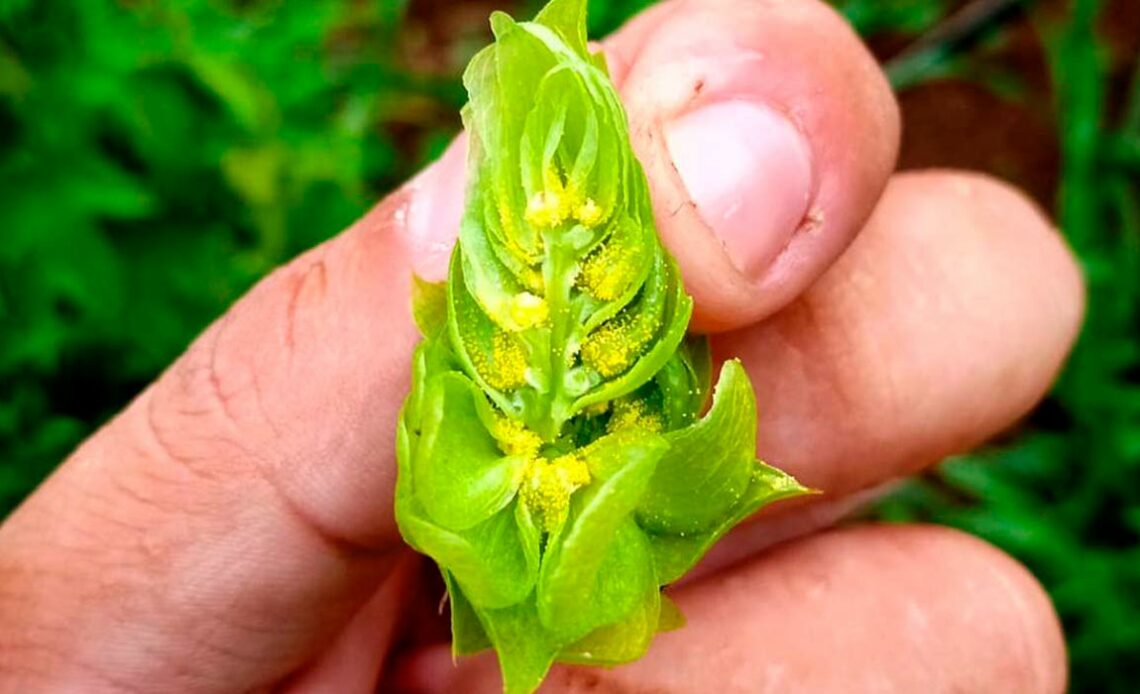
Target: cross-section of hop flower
(554, 460)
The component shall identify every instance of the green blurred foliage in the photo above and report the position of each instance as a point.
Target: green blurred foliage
(156, 158)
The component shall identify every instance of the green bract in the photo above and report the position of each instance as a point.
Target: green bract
(553, 460)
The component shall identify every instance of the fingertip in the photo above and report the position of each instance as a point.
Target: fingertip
(994, 204)
(1011, 598)
(1009, 266)
(767, 132)
(945, 322)
(873, 607)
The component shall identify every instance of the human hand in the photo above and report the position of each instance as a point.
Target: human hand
(232, 528)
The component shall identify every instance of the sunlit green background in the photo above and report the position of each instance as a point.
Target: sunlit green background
(157, 157)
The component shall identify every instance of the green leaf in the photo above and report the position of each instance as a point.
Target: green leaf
(628, 639)
(487, 561)
(431, 357)
(674, 555)
(707, 468)
(244, 96)
(467, 634)
(429, 306)
(595, 570)
(461, 476)
(684, 383)
(567, 18)
(671, 617)
(525, 652)
(621, 611)
(531, 537)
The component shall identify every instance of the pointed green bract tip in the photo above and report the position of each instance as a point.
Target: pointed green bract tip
(556, 458)
(567, 18)
(501, 24)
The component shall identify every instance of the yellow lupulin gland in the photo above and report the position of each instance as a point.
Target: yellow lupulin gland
(558, 204)
(589, 213)
(634, 415)
(515, 438)
(605, 272)
(547, 486)
(547, 209)
(527, 310)
(612, 348)
(532, 280)
(597, 409)
(506, 369)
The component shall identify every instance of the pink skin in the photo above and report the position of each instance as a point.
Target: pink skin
(887, 342)
(232, 528)
(767, 55)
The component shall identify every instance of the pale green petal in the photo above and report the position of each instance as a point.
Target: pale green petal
(461, 476)
(709, 463)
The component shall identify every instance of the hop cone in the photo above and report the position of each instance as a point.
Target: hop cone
(553, 460)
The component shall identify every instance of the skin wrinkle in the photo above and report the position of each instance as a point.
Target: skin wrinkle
(123, 578)
(167, 475)
(166, 444)
(121, 486)
(314, 273)
(210, 635)
(113, 684)
(168, 452)
(113, 592)
(259, 401)
(195, 389)
(110, 512)
(227, 614)
(154, 430)
(258, 462)
(174, 401)
(339, 545)
(215, 381)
